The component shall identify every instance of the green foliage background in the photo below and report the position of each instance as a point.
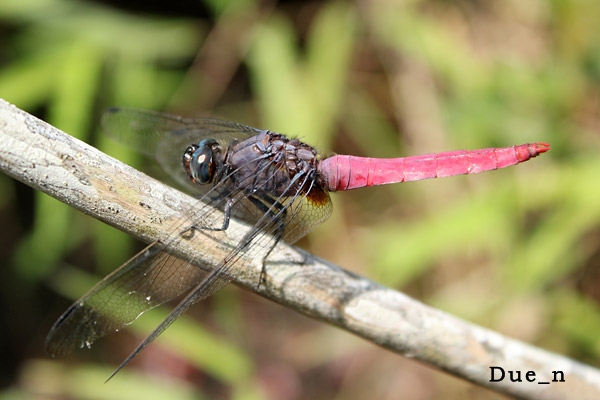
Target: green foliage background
(516, 250)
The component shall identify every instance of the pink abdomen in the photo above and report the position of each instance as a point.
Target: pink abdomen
(342, 172)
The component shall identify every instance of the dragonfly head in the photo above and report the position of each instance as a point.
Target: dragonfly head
(199, 161)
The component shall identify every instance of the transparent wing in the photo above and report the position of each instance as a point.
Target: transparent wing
(286, 217)
(165, 137)
(149, 279)
(154, 276)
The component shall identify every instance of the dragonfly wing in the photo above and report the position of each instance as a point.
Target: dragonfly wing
(305, 212)
(166, 137)
(149, 279)
(294, 216)
(287, 218)
(208, 286)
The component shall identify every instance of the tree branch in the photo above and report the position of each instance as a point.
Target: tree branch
(47, 159)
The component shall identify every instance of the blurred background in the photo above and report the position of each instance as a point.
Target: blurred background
(517, 250)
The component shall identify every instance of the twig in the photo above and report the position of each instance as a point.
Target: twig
(49, 160)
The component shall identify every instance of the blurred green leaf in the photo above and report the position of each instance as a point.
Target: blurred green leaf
(400, 253)
(41, 252)
(302, 94)
(29, 82)
(87, 381)
(552, 251)
(579, 318)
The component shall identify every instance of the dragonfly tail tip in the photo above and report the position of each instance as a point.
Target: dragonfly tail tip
(542, 147)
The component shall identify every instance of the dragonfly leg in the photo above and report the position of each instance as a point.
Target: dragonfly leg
(275, 213)
(188, 233)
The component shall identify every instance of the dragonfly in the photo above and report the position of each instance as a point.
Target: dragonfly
(277, 185)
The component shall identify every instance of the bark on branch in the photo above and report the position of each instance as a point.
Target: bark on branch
(49, 160)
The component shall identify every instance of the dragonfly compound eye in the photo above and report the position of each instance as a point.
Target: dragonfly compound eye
(198, 161)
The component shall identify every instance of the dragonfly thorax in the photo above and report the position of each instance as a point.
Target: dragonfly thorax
(273, 163)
